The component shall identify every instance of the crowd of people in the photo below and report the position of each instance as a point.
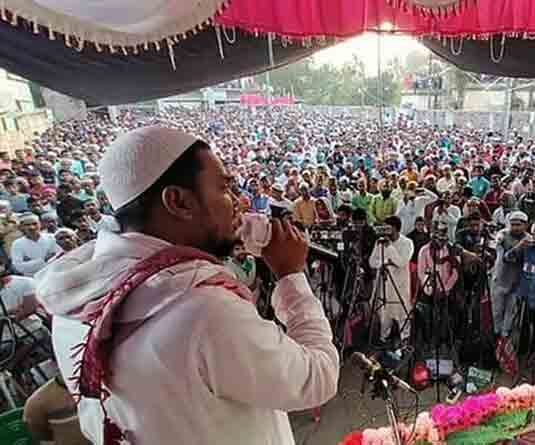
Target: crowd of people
(457, 202)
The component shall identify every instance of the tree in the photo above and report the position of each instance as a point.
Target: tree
(331, 85)
(417, 62)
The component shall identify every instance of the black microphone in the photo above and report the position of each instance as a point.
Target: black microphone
(377, 371)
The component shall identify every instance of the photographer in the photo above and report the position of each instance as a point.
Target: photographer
(396, 250)
(438, 273)
(343, 216)
(368, 239)
(511, 244)
(436, 256)
(419, 237)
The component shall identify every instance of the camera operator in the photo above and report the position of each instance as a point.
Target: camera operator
(438, 264)
(368, 239)
(343, 216)
(398, 250)
(471, 236)
(419, 237)
(474, 240)
(511, 244)
(437, 256)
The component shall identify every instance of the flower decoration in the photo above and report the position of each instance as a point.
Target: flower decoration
(473, 413)
(354, 438)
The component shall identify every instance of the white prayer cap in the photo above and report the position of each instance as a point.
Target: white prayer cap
(65, 230)
(28, 218)
(517, 215)
(137, 159)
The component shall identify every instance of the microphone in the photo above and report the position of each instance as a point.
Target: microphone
(378, 372)
(255, 233)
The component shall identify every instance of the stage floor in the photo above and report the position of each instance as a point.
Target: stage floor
(350, 411)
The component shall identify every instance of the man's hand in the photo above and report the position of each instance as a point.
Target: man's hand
(288, 250)
(524, 243)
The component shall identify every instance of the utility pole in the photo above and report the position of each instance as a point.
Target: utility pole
(380, 92)
(429, 79)
(268, 83)
(508, 103)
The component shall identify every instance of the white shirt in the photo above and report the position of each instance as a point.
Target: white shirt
(444, 184)
(36, 251)
(283, 203)
(107, 222)
(410, 210)
(399, 253)
(450, 218)
(206, 369)
(13, 294)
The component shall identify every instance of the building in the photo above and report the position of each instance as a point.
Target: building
(19, 117)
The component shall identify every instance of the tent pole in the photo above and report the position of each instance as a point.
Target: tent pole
(380, 96)
(508, 104)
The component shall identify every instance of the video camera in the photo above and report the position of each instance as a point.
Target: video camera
(383, 231)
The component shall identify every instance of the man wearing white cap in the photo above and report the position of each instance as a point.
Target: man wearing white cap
(31, 252)
(506, 273)
(188, 360)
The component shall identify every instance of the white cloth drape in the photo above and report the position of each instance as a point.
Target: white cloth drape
(116, 22)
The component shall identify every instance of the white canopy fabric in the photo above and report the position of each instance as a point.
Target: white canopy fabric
(126, 23)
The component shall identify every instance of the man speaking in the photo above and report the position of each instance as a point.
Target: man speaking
(164, 345)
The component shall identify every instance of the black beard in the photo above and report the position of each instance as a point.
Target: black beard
(220, 248)
(386, 195)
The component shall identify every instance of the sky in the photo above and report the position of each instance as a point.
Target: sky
(365, 47)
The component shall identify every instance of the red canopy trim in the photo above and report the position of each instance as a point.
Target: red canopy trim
(309, 22)
(440, 8)
(347, 18)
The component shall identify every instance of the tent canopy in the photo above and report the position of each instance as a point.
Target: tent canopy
(121, 51)
(107, 79)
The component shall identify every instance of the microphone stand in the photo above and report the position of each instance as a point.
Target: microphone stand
(383, 389)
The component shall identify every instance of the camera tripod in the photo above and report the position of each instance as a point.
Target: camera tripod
(440, 319)
(478, 327)
(325, 288)
(523, 336)
(352, 296)
(380, 300)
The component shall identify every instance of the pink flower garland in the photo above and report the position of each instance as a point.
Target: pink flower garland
(443, 420)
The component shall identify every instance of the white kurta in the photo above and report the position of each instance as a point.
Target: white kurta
(399, 253)
(450, 218)
(29, 256)
(107, 222)
(410, 210)
(206, 369)
(13, 294)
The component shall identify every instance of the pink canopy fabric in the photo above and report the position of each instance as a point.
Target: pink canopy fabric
(345, 18)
